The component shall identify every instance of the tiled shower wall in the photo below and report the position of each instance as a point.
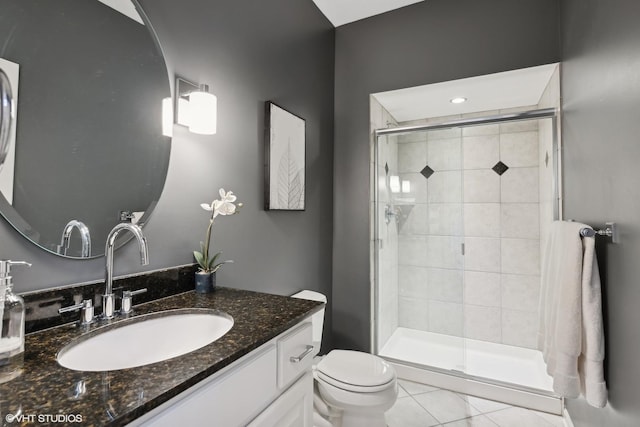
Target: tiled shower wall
(387, 294)
(463, 194)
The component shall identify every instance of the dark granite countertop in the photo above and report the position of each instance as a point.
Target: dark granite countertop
(119, 397)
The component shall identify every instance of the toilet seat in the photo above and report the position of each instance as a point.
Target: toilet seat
(355, 371)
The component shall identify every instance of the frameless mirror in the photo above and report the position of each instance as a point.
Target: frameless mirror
(89, 150)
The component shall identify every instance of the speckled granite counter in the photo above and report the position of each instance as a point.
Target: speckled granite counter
(118, 397)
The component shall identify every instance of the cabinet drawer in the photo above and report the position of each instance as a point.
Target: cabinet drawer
(295, 354)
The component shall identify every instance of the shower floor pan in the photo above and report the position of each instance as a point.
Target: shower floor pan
(500, 372)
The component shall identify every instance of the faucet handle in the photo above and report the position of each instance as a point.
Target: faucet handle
(86, 311)
(126, 299)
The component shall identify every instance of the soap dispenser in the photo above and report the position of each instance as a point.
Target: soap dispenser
(12, 324)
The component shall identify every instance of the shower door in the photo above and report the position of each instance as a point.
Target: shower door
(461, 211)
(420, 248)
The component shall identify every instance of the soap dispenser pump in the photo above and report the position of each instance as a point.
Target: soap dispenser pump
(12, 313)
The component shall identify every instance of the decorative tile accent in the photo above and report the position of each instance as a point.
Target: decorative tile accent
(500, 168)
(386, 168)
(427, 172)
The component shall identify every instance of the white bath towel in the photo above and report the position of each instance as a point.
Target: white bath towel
(571, 335)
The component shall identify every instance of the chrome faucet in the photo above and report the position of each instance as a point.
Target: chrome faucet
(84, 235)
(108, 299)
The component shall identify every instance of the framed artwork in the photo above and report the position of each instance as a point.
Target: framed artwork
(284, 159)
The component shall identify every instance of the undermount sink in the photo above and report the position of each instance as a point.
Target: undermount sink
(145, 339)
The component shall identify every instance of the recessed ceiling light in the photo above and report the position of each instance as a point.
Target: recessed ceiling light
(458, 100)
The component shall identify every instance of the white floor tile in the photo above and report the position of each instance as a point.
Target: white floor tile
(477, 421)
(484, 405)
(554, 420)
(416, 388)
(402, 393)
(408, 413)
(446, 406)
(519, 417)
(424, 405)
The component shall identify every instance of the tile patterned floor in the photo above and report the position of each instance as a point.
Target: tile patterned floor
(420, 405)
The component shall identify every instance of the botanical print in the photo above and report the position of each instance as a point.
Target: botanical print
(286, 160)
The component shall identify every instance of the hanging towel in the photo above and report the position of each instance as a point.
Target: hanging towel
(571, 334)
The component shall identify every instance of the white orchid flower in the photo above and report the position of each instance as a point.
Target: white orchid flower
(223, 206)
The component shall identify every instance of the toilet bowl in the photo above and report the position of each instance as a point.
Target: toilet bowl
(352, 388)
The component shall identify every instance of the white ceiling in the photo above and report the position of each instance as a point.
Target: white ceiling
(484, 93)
(341, 12)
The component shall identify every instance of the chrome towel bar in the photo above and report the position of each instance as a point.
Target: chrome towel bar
(610, 230)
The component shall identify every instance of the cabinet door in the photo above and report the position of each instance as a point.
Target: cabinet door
(294, 408)
(229, 400)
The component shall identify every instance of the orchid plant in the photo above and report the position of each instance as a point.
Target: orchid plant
(223, 206)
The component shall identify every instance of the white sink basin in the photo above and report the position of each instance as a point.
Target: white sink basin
(145, 339)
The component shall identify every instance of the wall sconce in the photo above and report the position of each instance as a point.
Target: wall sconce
(195, 107)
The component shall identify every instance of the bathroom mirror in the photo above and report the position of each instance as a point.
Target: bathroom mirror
(89, 146)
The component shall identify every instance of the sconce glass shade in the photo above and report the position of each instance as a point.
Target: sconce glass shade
(203, 111)
(167, 117)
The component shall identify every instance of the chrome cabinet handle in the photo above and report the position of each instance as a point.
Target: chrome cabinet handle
(298, 359)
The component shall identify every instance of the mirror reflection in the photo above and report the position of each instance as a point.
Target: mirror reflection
(89, 151)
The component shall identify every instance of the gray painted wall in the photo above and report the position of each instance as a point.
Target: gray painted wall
(601, 104)
(248, 51)
(428, 42)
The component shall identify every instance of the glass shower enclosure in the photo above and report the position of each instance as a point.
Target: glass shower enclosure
(461, 210)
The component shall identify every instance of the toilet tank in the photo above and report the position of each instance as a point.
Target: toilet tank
(317, 319)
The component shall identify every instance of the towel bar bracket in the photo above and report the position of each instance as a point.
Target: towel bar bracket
(610, 230)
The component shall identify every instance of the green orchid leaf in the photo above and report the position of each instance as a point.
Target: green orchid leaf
(220, 264)
(213, 259)
(200, 259)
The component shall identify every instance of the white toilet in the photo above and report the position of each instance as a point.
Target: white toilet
(352, 388)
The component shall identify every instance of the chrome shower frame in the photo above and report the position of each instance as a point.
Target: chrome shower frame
(434, 372)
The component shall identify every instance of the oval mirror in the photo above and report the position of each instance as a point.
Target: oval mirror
(88, 80)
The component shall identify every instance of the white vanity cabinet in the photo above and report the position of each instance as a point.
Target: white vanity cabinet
(270, 387)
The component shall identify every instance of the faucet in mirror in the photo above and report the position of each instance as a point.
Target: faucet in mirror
(92, 130)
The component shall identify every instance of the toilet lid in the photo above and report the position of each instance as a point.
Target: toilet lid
(354, 369)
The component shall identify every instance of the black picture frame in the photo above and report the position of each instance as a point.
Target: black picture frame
(285, 159)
